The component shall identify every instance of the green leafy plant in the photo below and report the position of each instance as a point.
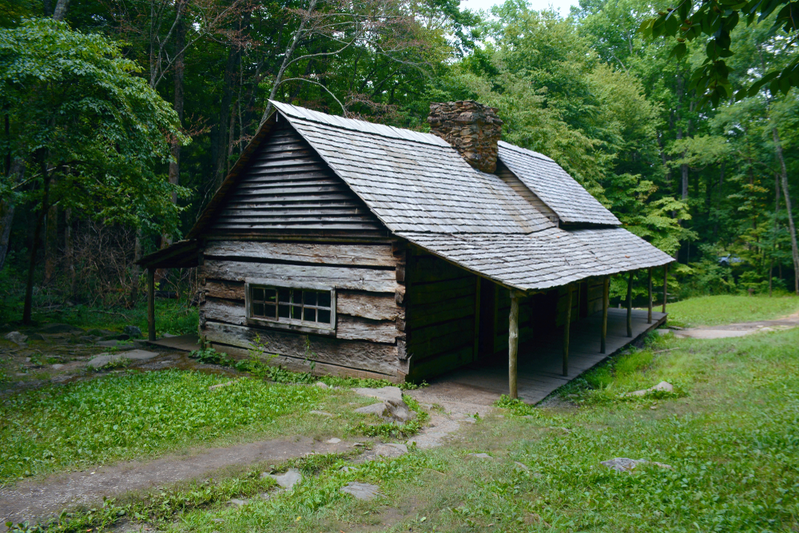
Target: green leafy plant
(209, 356)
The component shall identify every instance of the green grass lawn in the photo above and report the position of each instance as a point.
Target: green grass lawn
(134, 414)
(717, 310)
(730, 435)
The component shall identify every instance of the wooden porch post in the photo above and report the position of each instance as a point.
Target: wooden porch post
(605, 305)
(649, 309)
(630, 305)
(151, 303)
(513, 344)
(566, 328)
(665, 285)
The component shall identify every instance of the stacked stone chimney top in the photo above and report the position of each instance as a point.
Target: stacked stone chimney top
(471, 128)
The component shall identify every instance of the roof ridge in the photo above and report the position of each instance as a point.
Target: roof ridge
(391, 132)
(538, 155)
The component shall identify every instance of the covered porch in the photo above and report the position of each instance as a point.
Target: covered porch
(539, 369)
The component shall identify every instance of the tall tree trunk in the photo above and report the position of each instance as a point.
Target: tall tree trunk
(16, 170)
(50, 243)
(27, 311)
(221, 137)
(784, 175)
(174, 165)
(69, 252)
(288, 56)
(776, 229)
(61, 10)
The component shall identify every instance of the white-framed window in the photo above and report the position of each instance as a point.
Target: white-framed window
(300, 308)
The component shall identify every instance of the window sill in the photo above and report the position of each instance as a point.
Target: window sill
(288, 326)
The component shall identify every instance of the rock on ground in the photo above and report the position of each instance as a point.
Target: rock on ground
(623, 464)
(361, 491)
(133, 331)
(395, 407)
(132, 355)
(663, 386)
(479, 455)
(384, 450)
(289, 479)
(17, 338)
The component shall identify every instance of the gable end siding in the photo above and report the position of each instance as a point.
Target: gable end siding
(287, 189)
(505, 174)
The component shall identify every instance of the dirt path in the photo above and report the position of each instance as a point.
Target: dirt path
(449, 405)
(37, 500)
(740, 329)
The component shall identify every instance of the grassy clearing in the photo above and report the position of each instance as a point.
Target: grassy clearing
(175, 317)
(717, 310)
(141, 414)
(729, 434)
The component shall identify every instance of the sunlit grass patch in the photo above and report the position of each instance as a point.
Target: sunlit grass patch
(728, 309)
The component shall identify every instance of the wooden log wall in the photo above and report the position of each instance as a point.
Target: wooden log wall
(370, 315)
(441, 303)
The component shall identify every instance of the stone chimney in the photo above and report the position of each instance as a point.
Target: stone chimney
(471, 128)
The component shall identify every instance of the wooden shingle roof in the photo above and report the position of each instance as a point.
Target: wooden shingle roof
(567, 198)
(414, 181)
(420, 188)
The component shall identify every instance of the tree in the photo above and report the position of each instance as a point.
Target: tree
(689, 20)
(94, 137)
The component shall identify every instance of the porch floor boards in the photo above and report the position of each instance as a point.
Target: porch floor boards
(540, 367)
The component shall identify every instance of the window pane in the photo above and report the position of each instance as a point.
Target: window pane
(270, 311)
(310, 297)
(258, 293)
(258, 309)
(324, 300)
(310, 314)
(296, 312)
(283, 295)
(324, 316)
(271, 295)
(283, 311)
(296, 296)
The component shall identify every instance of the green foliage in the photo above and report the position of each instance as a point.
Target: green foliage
(176, 317)
(209, 356)
(114, 364)
(135, 414)
(77, 110)
(712, 23)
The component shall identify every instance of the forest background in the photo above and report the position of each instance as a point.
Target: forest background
(122, 117)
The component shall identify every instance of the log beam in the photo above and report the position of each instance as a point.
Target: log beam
(605, 305)
(630, 305)
(649, 308)
(513, 345)
(151, 304)
(566, 328)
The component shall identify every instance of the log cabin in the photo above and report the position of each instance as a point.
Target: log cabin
(359, 249)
